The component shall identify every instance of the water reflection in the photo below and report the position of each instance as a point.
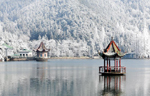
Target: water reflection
(72, 78)
(112, 85)
(37, 79)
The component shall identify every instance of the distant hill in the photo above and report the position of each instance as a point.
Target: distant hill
(76, 27)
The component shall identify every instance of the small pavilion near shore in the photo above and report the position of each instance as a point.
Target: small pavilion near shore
(112, 53)
(42, 53)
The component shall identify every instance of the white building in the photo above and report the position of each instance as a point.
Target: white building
(25, 53)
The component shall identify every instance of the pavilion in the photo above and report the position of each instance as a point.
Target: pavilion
(42, 53)
(112, 53)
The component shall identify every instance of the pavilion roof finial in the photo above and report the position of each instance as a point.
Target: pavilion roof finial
(112, 39)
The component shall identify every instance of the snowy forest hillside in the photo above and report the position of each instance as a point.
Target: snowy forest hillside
(76, 27)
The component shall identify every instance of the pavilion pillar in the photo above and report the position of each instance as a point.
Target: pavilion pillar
(107, 64)
(120, 64)
(114, 64)
(117, 65)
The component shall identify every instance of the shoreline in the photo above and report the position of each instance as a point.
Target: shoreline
(70, 58)
(88, 58)
(32, 59)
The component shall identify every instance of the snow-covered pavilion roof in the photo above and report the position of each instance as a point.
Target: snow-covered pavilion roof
(42, 48)
(112, 51)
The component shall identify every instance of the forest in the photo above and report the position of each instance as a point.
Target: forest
(75, 27)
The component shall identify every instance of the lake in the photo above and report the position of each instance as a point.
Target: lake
(73, 78)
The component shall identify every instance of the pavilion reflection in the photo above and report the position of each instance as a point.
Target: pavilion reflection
(112, 85)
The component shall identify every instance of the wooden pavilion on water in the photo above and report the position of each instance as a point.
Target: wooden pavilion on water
(42, 53)
(112, 53)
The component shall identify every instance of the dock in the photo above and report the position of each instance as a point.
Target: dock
(19, 58)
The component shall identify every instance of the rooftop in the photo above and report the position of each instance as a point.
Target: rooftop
(112, 50)
(42, 48)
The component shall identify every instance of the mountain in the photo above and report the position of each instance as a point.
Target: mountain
(76, 27)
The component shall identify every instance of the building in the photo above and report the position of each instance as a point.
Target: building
(24, 53)
(42, 53)
(112, 53)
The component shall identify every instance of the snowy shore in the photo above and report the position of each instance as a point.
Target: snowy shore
(74, 58)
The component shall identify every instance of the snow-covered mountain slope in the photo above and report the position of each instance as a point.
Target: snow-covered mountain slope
(76, 27)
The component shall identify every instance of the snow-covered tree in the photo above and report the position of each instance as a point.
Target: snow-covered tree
(76, 24)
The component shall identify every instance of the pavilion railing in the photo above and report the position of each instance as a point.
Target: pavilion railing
(121, 69)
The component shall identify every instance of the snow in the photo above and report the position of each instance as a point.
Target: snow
(75, 27)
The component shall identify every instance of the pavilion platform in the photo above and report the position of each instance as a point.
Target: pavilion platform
(112, 70)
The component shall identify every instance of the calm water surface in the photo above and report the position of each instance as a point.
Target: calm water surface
(72, 78)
